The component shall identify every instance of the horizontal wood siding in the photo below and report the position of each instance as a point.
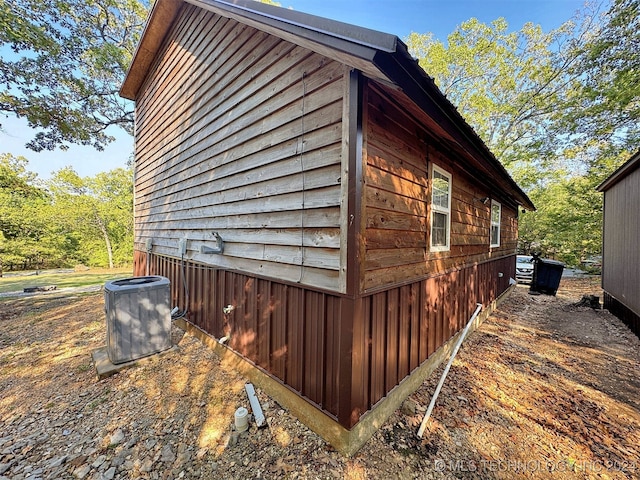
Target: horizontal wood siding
(240, 133)
(401, 327)
(621, 255)
(397, 202)
(295, 334)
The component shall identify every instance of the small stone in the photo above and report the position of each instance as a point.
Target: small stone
(150, 443)
(167, 454)
(77, 461)
(117, 437)
(147, 465)
(99, 461)
(109, 474)
(118, 460)
(4, 467)
(409, 407)
(82, 471)
(184, 457)
(58, 461)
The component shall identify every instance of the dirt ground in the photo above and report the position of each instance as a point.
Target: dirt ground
(544, 389)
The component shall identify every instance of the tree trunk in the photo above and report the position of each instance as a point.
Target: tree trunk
(107, 240)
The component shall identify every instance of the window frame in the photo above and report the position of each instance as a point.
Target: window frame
(493, 224)
(441, 210)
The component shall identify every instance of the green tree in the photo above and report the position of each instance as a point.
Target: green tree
(62, 63)
(605, 109)
(28, 236)
(100, 210)
(596, 129)
(568, 222)
(507, 85)
(559, 110)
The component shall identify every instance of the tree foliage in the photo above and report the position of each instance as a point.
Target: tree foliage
(65, 221)
(62, 63)
(559, 109)
(27, 237)
(606, 107)
(507, 85)
(100, 209)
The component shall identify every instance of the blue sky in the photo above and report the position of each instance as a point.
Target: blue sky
(398, 17)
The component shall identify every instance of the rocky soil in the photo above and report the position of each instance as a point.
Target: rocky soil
(545, 389)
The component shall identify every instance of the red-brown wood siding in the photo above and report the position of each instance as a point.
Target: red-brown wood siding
(341, 354)
(399, 153)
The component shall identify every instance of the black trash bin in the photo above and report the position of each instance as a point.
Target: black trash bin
(546, 276)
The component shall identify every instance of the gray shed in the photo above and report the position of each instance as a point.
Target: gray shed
(621, 236)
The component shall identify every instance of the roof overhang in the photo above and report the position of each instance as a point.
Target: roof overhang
(625, 169)
(349, 44)
(160, 20)
(376, 54)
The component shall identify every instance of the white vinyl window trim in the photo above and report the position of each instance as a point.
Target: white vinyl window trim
(496, 214)
(440, 209)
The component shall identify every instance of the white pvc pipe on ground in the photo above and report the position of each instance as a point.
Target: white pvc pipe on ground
(423, 425)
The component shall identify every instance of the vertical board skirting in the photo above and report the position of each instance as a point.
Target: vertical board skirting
(403, 326)
(342, 354)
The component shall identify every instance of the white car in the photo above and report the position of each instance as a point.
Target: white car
(524, 268)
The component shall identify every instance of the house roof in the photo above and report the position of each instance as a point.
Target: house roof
(378, 55)
(625, 169)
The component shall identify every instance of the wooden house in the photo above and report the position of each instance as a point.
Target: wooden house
(316, 202)
(621, 237)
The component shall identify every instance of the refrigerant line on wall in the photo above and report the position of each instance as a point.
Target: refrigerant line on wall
(184, 312)
(301, 152)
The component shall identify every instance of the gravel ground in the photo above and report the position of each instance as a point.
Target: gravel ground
(544, 389)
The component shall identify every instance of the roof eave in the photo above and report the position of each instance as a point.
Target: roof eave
(621, 172)
(405, 71)
(158, 24)
(356, 43)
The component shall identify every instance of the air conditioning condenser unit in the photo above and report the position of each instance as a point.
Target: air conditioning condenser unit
(138, 317)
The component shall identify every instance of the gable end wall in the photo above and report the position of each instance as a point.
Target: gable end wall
(240, 133)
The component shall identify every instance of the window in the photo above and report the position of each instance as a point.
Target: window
(496, 209)
(440, 209)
